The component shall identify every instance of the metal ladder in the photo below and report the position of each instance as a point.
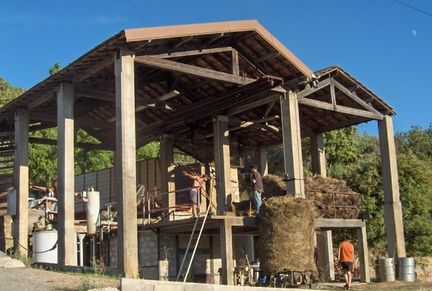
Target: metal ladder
(196, 245)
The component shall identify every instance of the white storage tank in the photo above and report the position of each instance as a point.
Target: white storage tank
(93, 207)
(45, 246)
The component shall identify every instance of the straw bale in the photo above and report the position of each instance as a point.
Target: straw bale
(286, 241)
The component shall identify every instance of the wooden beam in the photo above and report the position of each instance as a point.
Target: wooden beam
(189, 53)
(340, 108)
(310, 90)
(192, 70)
(250, 105)
(353, 96)
(169, 95)
(93, 69)
(335, 223)
(80, 120)
(235, 63)
(87, 146)
(40, 100)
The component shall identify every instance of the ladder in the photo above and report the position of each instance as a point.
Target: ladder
(195, 247)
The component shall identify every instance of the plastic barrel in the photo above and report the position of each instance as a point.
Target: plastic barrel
(407, 269)
(387, 270)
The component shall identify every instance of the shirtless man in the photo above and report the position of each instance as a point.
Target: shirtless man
(195, 192)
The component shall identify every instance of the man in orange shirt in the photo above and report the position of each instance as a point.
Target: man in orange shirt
(346, 259)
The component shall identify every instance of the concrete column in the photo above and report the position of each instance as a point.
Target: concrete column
(222, 163)
(319, 165)
(363, 254)
(262, 161)
(325, 254)
(167, 170)
(125, 164)
(392, 205)
(21, 181)
(226, 253)
(293, 160)
(66, 176)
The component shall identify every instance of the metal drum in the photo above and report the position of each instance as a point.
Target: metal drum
(387, 270)
(407, 269)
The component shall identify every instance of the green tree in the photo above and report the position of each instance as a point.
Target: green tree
(8, 92)
(55, 69)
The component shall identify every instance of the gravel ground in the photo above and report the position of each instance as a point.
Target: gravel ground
(35, 279)
(380, 286)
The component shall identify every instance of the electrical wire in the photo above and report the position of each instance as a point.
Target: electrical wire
(413, 7)
(138, 12)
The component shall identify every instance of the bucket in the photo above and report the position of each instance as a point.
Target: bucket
(387, 270)
(407, 269)
(45, 247)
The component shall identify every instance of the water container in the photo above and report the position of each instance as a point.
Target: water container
(45, 247)
(92, 207)
(407, 269)
(387, 270)
(11, 202)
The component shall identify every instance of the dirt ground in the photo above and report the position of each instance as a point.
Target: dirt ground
(37, 279)
(387, 286)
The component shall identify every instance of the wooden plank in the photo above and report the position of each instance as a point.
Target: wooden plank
(188, 53)
(40, 100)
(192, 70)
(340, 108)
(235, 63)
(250, 105)
(93, 69)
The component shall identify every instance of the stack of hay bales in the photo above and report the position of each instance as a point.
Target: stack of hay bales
(286, 242)
(332, 197)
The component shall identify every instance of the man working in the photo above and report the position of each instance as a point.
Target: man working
(346, 259)
(257, 188)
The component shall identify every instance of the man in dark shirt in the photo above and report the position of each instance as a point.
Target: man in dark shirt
(257, 188)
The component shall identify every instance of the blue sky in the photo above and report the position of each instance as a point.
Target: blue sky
(384, 44)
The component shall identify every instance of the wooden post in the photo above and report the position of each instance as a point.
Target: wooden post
(363, 254)
(226, 252)
(66, 176)
(21, 180)
(222, 163)
(235, 63)
(167, 170)
(125, 164)
(325, 254)
(392, 205)
(319, 166)
(261, 161)
(293, 160)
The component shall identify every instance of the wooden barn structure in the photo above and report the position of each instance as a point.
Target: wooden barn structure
(213, 91)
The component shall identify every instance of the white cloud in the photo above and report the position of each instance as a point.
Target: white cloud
(414, 32)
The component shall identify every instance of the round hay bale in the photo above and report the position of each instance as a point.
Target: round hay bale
(286, 241)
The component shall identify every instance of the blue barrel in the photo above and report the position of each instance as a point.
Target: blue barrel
(407, 269)
(387, 270)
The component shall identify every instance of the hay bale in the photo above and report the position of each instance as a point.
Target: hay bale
(273, 186)
(286, 242)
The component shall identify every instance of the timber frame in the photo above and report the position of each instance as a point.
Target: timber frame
(211, 90)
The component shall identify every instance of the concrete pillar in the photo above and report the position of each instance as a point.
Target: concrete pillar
(222, 163)
(66, 176)
(167, 170)
(125, 164)
(363, 254)
(319, 165)
(262, 161)
(21, 181)
(325, 254)
(293, 160)
(392, 205)
(226, 252)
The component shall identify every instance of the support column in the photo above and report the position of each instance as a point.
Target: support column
(125, 164)
(325, 254)
(363, 254)
(293, 160)
(222, 163)
(226, 252)
(21, 181)
(167, 170)
(392, 205)
(319, 165)
(262, 161)
(66, 176)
